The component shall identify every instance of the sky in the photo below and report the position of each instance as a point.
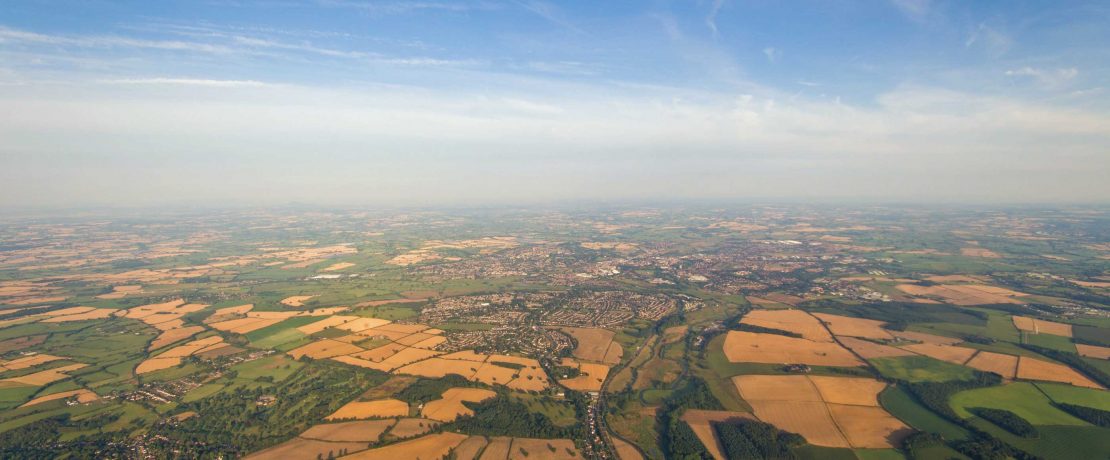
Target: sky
(489, 102)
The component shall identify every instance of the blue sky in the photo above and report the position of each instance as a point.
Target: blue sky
(424, 102)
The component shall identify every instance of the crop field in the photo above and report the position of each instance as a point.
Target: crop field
(1035, 369)
(362, 431)
(595, 345)
(81, 396)
(297, 300)
(382, 408)
(1093, 351)
(306, 448)
(868, 350)
(946, 353)
(410, 427)
(796, 321)
(545, 449)
(1004, 365)
(450, 406)
(1039, 326)
(963, 294)
(854, 327)
(393, 335)
(498, 447)
(827, 411)
(174, 335)
(590, 377)
(753, 347)
(700, 422)
(470, 448)
(27, 361)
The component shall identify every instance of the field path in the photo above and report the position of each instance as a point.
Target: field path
(825, 405)
(837, 339)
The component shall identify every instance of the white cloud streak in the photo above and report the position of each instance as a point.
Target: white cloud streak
(711, 18)
(1047, 78)
(416, 145)
(191, 82)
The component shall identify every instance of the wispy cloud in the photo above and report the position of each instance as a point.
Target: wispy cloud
(370, 140)
(190, 82)
(430, 62)
(773, 54)
(399, 7)
(255, 42)
(563, 67)
(711, 18)
(1048, 78)
(917, 10)
(990, 39)
(551, 13)
(8, 35)
(220, 42)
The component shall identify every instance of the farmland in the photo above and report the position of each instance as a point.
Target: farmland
(538, 335)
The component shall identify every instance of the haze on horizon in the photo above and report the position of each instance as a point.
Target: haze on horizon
(486, 102)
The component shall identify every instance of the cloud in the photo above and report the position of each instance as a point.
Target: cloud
(563, 67)
(222, 43)
(8, 35)
(255, 42)
(190, 82)
(711, 18)
(588, 141)
(916, 10)
(989, 39)
(670, 26)
(1049, 79)
(430, 62)
(773, 54)
(399, 7)
(550, 12)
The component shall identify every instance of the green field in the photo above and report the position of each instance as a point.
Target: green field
(999, 327)
(390, 312)
(560, 413)
(1095, 334)
(277, 367)
(273, 329)
(14, 396)
(812, 452)
(1054, 342)
(463, 326)
(920, 369)
(1063, 442)
(901, 405)
(1068, 394)
(1023, 399)
(879, 454)
(202, 392)
(278, 338)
